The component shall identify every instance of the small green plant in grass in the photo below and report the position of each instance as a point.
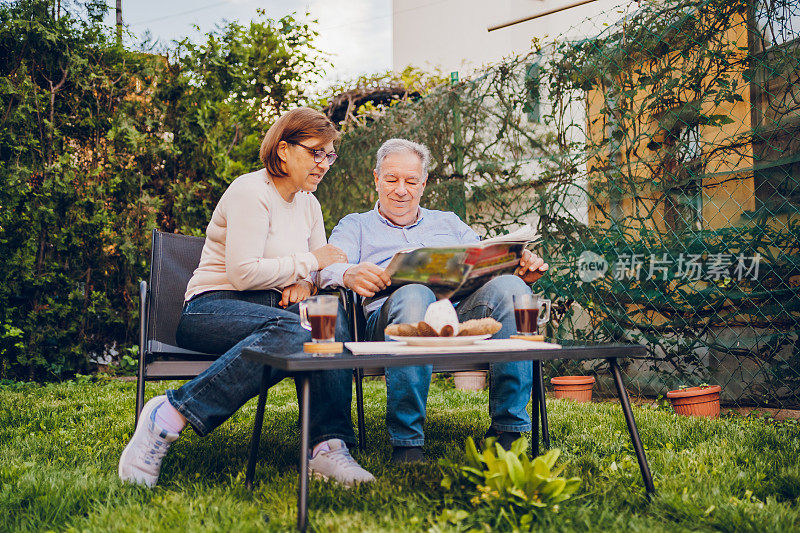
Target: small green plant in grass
(85, 379)
(129, 361)
(503, 488)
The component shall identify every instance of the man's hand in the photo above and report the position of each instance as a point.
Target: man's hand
(366, 279)
(531, 267)
(296, 292)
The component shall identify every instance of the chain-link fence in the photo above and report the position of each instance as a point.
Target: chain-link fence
(660, 160)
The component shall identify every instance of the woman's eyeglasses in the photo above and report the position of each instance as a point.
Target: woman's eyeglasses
(318, 155)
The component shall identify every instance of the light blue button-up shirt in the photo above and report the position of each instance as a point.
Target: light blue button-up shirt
(370, 237)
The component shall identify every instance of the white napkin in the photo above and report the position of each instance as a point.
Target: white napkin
(440, 314)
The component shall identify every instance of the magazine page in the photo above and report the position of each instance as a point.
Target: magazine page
(472, 284)
(445, 270)
(525, 234)
(445, 266)
(455, 270)
(493, 257)
(488, 262)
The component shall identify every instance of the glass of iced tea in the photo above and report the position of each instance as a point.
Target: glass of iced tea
(318, 315)
(530, 312)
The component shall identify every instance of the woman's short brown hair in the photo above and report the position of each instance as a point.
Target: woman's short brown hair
(294, 126)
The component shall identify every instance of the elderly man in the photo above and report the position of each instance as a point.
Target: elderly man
(398, 223)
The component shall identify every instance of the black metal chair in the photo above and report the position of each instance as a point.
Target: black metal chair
(173, 260)
(358, 324)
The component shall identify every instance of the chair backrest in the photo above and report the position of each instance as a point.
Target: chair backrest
(174, 259)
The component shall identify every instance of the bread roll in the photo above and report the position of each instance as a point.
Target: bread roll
(480, 326)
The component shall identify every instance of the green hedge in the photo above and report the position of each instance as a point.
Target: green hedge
(99, 144)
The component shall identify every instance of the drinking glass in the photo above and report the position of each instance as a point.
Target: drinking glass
(530, 312)
(318, 315)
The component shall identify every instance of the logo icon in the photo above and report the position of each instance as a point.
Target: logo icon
(591, 266)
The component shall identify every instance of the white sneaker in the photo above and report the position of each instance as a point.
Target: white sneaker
(141, 459)
(338, 465)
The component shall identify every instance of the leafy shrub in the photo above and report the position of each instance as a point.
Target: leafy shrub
(98, 145)
(503, 488)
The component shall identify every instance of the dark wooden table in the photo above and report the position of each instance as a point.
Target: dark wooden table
(301, 363)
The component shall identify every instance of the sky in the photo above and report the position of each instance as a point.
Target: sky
(358, 33)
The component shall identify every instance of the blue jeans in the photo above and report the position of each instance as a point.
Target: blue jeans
(407, 387)
(227, 322)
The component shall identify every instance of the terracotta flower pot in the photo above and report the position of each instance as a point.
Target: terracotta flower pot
(470, 380)
(696, 401)
(578, 388)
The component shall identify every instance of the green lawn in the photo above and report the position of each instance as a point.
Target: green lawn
(59, 446)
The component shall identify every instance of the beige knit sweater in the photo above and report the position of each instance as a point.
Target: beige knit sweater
(257, 240)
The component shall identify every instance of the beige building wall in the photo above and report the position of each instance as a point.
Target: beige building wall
(727, 188)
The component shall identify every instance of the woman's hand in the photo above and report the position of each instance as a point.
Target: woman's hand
(296, 292)
(328, 255)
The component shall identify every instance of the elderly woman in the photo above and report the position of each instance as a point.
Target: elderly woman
(265, 239)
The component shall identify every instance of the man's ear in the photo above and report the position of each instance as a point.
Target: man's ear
(375, 175)
(283, 146)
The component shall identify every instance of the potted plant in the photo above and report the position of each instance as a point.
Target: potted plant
(470, 379)
(578, 388)
(696, 401)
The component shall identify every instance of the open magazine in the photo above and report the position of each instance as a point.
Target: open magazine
(455, 271)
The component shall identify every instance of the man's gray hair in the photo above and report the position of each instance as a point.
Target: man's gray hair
(393, 146)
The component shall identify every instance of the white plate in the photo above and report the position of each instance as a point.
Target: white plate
(439, 341)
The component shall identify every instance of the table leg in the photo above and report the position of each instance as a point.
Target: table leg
(632, 429)
(302, 492)
(257, 424)
(359, 375)
(535, 395)
(543, 408)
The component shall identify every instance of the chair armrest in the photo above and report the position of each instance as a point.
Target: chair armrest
(144, 296)
(144, 301)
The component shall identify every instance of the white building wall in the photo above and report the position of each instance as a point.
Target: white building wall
(451, 35)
